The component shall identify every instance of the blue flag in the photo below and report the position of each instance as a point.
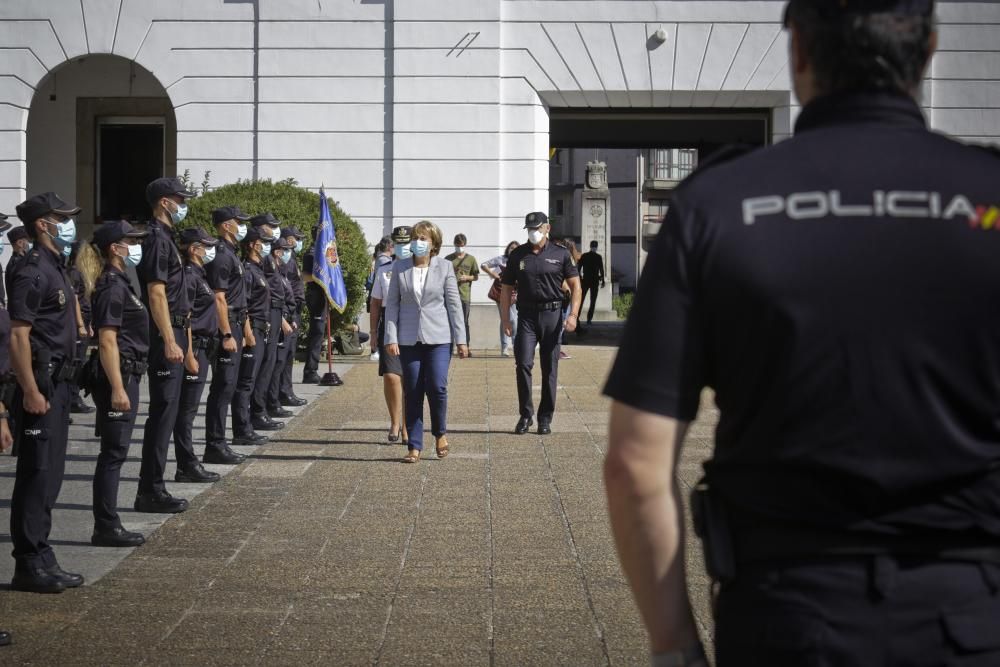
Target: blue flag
(326, 260)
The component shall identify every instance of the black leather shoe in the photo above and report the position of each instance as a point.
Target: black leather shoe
(293, 401)
(159, 503)
(5, 638)
(264, 423)
(225, 456)
(523, 424)
(278, 413)
(68, 579)
(36, 580)
(196, 473)
(544, 428)
(249, 440)
(118, 537)
(79, 407)
(310, 378)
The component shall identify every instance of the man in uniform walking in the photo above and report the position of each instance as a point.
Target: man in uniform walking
(537, 270)
(839, 293)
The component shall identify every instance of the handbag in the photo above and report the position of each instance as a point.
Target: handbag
(495, 289)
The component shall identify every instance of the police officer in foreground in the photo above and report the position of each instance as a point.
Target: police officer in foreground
(167, 295)
(537, 270)
(43, 338)
(839, 293)
(258, 295)
(20, 244)
(269, 229)
(225, 275)
(319, 308)
(6, 393)
(287, 396)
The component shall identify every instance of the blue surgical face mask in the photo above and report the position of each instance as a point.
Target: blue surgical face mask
(420, 248)
(134, 255)
(405, 252)
(241, 232)
(299, 245)
(65, 234)
(280, 260)
(67, 250)
(178, 216)
(2, 241)
(266, 250)
(277, 234)
(209, 255)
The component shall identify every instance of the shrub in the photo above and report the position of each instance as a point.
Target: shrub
(623, 305)
(298, 207)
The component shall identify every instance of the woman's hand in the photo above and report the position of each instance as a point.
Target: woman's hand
(463, 351)
(392, 349)
(250, 340)
(191, 364)
(119, 401)
(6, 439)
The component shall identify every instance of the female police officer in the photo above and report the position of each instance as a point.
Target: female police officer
(258, 310)
(122, 325)
(198, 249)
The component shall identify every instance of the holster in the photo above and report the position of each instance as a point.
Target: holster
(712, 525)
(8, 383)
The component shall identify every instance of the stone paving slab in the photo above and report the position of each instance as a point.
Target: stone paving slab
(324, 549)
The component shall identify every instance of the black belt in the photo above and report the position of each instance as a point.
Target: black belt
(133, 366)
(278, 303)
(262, 325)
(237, 317)
(200, 342)
(539, 306)
(60, 370)
(180, 321)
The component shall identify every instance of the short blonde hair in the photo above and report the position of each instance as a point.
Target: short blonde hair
(428, 227)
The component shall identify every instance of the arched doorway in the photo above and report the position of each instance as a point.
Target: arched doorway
(100, 127)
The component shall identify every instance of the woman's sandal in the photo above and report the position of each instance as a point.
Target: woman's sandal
(442, 451)
(412, 457)
(393, 437)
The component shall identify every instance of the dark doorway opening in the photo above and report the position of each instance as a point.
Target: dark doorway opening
(130, 155)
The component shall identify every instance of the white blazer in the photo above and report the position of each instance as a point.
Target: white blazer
(437, 319)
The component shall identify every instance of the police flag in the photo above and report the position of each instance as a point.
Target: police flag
(326, 260)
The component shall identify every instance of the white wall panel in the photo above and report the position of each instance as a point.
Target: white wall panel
(437, 62)
(631, 39)
(215, 117)
(320, 146)
(211, 89)
(321, 117)
(214, 145)
(448, 34)
(340, 10)
(661, 58)
(454, 90)
(37, 36)
(339, 89)
(223, 171)
(339, 173)
(322, 34)
(454, 146)
(720, 54)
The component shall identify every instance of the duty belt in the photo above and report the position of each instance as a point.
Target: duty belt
(262, 325)
(199, 342)
(181, 321)
(237, 317)
(539, 306)
(278, 303)
(60, 370)
(133, 366)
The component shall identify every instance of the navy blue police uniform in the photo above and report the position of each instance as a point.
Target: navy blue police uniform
(262, 385)
(225, 275)
(538, 278)
(77, 404)
(317, 304)
(287, 393)
(258, 296)
(42, 297)
(161, 263)
(16, 258)
(204, 340)
(844, 311)
(116, 307)
(286, 342)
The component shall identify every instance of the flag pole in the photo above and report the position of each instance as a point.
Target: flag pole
(329, 379)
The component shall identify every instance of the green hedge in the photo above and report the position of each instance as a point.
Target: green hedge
(623, 305)
(298, 207)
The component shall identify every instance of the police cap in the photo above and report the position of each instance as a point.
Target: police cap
(196, 235)
(838, 8)
(114, 231)
(166, 186)
(253, 234)
(227, 213)
(264, 219)
(17, 234)
(402, 234)
(283, 243)
(48, 202)
(535, 220)
(291, 231)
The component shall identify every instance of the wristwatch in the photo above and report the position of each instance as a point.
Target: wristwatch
(227, 336)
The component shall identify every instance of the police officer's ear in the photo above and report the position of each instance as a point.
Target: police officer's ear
(803, 75)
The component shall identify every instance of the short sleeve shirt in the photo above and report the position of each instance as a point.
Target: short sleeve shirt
(274, 280)
(466, 265)
(225, 274)
(380, 286)
(114, 304)
(204, 316)
(4, 343)
(258, 292)
(43, 296)
(161, 262)
(539, 276)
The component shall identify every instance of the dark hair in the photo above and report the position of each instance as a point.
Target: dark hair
(383, 245)
(864, 52)
(460, 239)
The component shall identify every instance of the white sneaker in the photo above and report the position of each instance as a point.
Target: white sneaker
(374, 356)
(507, 351)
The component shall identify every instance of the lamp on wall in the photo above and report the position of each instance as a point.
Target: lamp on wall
(657, 39)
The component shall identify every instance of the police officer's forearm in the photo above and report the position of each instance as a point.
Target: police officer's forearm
(110, 358)
(20, 357)
(576, 296)
(506, 296)
(376, 306)
(648, 523)
(160, 309)
(222, 308)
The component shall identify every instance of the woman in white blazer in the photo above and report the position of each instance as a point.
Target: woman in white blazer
(423, 317)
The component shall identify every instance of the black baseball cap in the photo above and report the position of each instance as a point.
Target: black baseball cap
(264, 219)
(166, 186)
(291, 231)
(113, 231)
(282, 242)
(196, 235)
(17, 234)
(840, 8)
(402, 234)
(535, 220)
(253, 234)
(48, 202)
(227, 213)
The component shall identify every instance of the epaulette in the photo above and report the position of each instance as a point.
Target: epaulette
(33, 257)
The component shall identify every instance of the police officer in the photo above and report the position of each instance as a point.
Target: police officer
(168, 297)
(269, 229)
(225, 275)
(538, 270)
(198, 249)
(43, 321)
(839, 293)
(20, 244)
(122, 324)
(78, 405)
(317, 304)
(288, 397)
(258, 295)
(6, 393)
(281, 256)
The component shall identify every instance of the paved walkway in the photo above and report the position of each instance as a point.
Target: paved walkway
(323, 549)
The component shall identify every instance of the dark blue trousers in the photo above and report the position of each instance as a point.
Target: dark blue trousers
(165, 380)
(250, 360)
(190, 400)
(425, 372)
(225, 374)
(262, 385)
(877, 611)
(116, 436)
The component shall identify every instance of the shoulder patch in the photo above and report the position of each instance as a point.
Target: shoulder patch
(33, 257)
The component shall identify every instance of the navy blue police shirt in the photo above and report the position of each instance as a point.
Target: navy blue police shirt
(538, 277)
(225, 274)
(291, 270)
(839, 291)
(41, 295)
(275, 280)
(76, 278)
(258, 292)
(204, 316)
(15, 261)
(161, 262)
(115, 305)
(4, 343)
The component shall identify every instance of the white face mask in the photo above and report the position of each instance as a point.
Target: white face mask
(241, 232)
(536, 236)
(209, 255)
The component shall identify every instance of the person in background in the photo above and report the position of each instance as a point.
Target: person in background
(384, 248)
(6, 391)
(318, 306)
(494, 268)
(467, 272)
(122, 324)
(258, 296)
(83, 288)
(574, 254)
(390, 368)
(281, 255)
(269, 230)
(287, 395)
(423, 319)
(591, 267)
(198, 249)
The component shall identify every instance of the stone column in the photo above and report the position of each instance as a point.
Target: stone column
(596, 226)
